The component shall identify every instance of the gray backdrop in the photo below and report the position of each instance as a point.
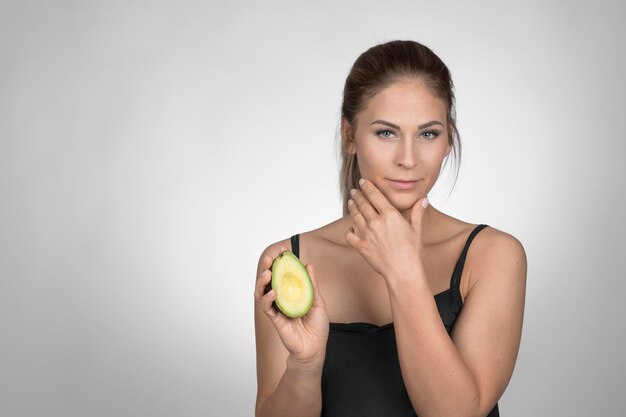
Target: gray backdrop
(149, 151)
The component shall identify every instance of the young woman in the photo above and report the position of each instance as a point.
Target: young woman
(415, 312)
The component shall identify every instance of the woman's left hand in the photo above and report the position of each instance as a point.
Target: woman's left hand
(391, 245)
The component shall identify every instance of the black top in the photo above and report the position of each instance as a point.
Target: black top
(361, 375)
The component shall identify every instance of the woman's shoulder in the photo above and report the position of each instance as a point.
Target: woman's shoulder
(273, 249)
(315, 241)
(491, 248)
(493, 253)
(489, 237)
(494, 241)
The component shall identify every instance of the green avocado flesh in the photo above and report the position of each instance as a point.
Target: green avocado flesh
(292, 284)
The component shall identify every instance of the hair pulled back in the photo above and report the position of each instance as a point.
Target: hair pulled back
(379, 67)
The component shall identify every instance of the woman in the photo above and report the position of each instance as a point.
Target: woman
(415, 312)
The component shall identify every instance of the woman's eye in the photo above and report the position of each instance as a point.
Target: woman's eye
(430, 134)
(384, 133)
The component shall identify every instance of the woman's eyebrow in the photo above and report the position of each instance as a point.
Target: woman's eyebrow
(425, 125)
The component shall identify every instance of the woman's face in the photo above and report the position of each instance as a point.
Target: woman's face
(402, 134)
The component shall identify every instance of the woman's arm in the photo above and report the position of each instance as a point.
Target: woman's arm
(466, 374)
(297, 394)
(288, 385)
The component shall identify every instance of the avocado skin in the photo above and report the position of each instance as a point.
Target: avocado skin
(268, 287)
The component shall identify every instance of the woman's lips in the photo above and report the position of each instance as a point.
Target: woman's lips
(403, 185)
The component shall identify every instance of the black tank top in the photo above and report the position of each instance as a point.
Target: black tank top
(361, 375)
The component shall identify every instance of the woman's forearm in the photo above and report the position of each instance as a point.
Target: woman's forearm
(437, 380)
(298, 394)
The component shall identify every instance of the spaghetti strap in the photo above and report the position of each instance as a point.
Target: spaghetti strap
(295, 245)
(458, 269)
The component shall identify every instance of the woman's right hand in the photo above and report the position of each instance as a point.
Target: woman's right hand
(305, 337)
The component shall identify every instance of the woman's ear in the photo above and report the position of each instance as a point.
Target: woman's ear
(347, 136)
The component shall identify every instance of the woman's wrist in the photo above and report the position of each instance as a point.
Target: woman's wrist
(312, 366)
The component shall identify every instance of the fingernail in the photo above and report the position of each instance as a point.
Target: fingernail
(425, 202)
(352, 192)
(350, 202)
(361, 181)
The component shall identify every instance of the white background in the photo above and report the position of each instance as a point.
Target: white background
(149, 151)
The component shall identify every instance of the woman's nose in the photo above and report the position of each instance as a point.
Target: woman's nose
(406, 155)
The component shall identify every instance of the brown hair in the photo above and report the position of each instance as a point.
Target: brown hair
(377, 68)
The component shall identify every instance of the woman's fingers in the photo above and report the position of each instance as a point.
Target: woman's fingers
(265, 300)
(267, 261)
(358, 217)
(365, 206)
(261, 284)
(354, 234)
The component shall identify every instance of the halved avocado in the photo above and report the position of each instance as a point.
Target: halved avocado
(292, 284)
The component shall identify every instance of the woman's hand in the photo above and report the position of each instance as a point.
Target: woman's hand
(391, 245)
(305, 337)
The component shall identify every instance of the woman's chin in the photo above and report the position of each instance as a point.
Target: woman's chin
(404, 204)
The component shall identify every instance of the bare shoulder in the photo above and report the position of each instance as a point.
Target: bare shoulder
(314, 244)
(495, 254)
(273, 249)
(492, 242)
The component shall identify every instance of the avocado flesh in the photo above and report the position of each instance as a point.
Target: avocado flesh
(292, 284)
